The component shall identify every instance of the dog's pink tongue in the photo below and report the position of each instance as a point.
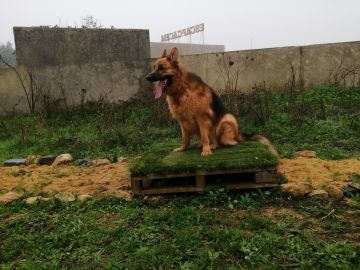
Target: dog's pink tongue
(159, 88)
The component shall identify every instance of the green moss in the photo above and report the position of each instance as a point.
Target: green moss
(160, 159)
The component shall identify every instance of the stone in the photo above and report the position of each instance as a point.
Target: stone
(83, 197)
(351, 189)
(32, 159)
(319, 193)
(83, 162)
(15, 162)
(10, 197)
(62, 159)
(65, 197)
(348, 191)
(334, 192)
(122, 159)
(45, 199)
(99, 196)
(305, 153)
(355, 185)
(32, 200)
(297, 189)
(101, 162)
(47, 160)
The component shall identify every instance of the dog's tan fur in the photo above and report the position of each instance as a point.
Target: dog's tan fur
(196, 107)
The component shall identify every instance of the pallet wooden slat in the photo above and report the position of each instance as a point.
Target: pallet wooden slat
(187, 174)
(199, 181)
(265, 176)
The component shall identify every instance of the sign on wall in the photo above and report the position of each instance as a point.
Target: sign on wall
(183, 32)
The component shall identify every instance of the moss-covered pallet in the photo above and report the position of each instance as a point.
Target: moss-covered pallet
(160, 170)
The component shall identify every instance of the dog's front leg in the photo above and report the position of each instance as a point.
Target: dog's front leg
(185, 138)
(204, 123)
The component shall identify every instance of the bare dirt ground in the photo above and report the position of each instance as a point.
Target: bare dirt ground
(113, 179)
(319, 172)
(97, 181)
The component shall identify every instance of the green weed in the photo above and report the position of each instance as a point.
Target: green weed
(325, 119)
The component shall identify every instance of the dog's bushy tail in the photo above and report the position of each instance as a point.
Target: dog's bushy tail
(259, 138)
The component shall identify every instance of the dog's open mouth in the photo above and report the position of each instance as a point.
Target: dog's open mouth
(160, 87)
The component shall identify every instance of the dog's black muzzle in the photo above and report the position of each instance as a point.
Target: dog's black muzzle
(153, 77)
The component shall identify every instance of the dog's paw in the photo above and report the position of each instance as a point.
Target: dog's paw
(214, 146)
(205, 153)
(179, 149)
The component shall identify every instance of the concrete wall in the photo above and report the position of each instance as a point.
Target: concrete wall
(277, 68)
(73, 65)
(242, 70)
(329, 62)
(44, 46)
(157, 48)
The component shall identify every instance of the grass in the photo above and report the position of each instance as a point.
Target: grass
(214, 230)
(217, 230)
(325, 119)
(96, 130)
(160, 159)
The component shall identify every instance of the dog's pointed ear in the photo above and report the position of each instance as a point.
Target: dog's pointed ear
(174, 54)
(164, 54)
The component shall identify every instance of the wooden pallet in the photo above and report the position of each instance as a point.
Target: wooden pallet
(199, 181)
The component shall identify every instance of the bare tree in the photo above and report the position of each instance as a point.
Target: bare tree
(8, 53)
(90, 22)
(344, 75)
(28, 83)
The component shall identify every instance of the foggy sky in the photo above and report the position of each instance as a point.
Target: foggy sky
(237, 24)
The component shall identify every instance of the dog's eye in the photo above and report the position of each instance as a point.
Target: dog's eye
(161, 68)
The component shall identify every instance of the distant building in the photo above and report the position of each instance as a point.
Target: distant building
(157, 48)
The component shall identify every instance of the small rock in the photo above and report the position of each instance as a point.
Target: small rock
(99, 196)
(297, 189)
(122, 159)
(305, 153)
(100, 162)
(319, 193)
(351, 189)
(62, 159)
(152, 198)
(65, 196)
(45, 199)
(355, 185)
(32, 200)
(84, 197)
(32, 159)
(47, 160)
(334, 192)
(83, 162)
(348, 191)
(15, 162)
(10, 196)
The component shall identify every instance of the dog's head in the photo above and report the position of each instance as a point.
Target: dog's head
(165, 69)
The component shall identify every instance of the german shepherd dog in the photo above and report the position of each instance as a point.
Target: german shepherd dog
(196, 107)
